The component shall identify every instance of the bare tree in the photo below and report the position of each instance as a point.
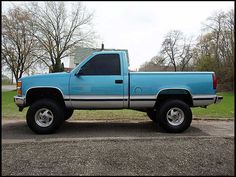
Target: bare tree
(170, 48)
(186, 55)
(221, 28)
(176, 50)
(203, 53)
(157, 63)
(215, 24)
(18, 46)
(59, 33)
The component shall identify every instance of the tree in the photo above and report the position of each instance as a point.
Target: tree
(203, 53)
(170, 48)
(176, 50)
(18, 46)
(59, 33)
(186, 55)
(218, 44)
(155, 64)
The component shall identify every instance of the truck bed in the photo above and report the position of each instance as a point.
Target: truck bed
(145, 86)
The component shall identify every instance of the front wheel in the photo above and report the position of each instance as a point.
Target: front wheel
(44, 116)
(174, 116)
(68, 113)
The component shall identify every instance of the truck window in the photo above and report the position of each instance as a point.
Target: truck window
(102, 64)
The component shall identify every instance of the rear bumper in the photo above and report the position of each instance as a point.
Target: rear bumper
(20, 101)
(218, 99)
(205, 100)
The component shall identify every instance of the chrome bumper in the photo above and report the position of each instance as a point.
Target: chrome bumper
(20, 101)
(205, 100)
(218, 99)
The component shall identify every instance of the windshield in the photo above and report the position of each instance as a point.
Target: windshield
(81, 54)
(76, 65)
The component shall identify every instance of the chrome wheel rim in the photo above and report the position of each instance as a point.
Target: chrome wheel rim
(43, 117)
(175, 116)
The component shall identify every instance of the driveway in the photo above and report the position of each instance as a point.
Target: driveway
(8, 87)
(118, 148)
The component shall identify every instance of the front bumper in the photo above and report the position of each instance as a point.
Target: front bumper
(20, 101)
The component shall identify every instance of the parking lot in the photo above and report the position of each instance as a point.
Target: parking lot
(118, 148)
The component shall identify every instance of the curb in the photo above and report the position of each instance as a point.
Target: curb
(215, 119)
(120, 120)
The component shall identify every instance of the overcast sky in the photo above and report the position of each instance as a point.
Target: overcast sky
(140, 27)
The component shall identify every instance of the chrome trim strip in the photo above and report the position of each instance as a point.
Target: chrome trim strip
(142, 97)
(97, 100)
(136, 101)
(97, 104)
(95, 97)
(142, 104)
(66, 97)
(68, 104)
(170, 72)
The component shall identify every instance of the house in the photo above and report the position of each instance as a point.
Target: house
(6, 80)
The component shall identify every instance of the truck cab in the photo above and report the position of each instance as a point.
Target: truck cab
(102, 77)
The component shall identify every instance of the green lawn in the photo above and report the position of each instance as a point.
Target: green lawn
(223, 110)
(9, 109)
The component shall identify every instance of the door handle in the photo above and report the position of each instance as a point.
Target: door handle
(118, 81)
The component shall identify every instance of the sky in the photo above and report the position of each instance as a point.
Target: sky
(141, 26)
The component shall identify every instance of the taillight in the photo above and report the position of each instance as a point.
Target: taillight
(19, 88)
(214, 81)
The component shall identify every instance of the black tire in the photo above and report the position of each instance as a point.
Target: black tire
(68, 113)
(45, 108)
(152, 115)
(179, 108)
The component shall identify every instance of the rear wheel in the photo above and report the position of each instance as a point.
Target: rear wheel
(174, 116)
(44, 116)
(152, 115)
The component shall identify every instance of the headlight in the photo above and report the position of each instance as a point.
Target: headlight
(19, 88)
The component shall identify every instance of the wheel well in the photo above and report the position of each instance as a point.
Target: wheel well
(179, 94)
(39, 93)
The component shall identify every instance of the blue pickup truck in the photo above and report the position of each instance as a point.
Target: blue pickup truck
(103, 81)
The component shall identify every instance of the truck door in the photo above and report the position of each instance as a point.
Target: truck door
(99, 83)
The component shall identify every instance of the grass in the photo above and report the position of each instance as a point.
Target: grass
(9, 108)
(223, 110)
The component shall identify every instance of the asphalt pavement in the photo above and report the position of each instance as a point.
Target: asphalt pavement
(118, 148)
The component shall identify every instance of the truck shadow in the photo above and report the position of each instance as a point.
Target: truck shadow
(20, 130)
